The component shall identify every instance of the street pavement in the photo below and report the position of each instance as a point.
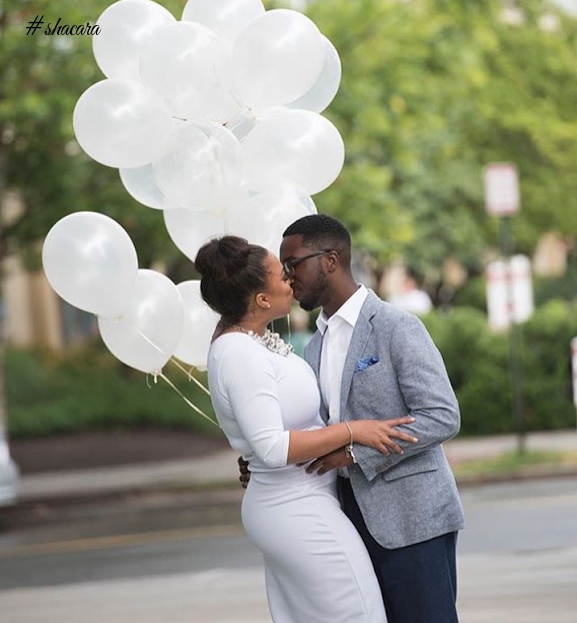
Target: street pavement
(517, 564)
(221, 580)
(220, 469)
(492, 590)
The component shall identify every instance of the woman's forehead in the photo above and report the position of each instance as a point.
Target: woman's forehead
(272, 260)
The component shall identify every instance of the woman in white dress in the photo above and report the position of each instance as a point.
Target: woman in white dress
(266, 399)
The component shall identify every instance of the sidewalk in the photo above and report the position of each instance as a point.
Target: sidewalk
(219, 470)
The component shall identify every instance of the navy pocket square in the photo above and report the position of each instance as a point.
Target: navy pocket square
(367, 362)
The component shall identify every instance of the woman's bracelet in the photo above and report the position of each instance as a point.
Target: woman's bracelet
(349, 448)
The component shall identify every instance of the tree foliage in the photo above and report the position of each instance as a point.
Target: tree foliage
(432, 91)
(42, 77)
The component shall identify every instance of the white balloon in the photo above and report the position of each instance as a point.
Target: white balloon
(228, 18)
(190, 230)
(124, 26)
(201, 167)
(91, 262)
(263, 218)
(298, 146)
(277, 58)
(141, 185)
(148, 332)
(323, 91)
(119, 124)
(199, 325)
(188, 66)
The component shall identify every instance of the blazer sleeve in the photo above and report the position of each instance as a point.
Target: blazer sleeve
(424, 384)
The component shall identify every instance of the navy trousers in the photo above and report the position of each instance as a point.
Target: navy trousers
(418, 582)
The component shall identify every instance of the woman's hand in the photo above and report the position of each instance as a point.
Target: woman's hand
(381, 434)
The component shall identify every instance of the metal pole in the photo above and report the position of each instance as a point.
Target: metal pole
(513, 337)
(574, 371)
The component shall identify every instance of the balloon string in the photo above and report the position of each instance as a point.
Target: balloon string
(190, 376)
(199, 411)
(288, 324)
(159, 374)
(149, 341)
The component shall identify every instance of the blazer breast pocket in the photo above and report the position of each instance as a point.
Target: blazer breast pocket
(368, 380)
(365, 363)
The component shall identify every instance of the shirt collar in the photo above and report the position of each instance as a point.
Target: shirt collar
(349, 311)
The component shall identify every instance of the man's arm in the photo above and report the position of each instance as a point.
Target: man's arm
(427, 392)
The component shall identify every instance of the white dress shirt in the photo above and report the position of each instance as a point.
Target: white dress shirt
(337, 332)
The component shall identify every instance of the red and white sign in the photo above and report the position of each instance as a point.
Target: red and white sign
(501, 189)
(509, 292)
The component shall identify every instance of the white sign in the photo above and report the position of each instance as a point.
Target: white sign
(509, 292)
(574, 361)
(501, 189)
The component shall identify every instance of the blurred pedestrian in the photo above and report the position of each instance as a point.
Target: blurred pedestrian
(412, 297)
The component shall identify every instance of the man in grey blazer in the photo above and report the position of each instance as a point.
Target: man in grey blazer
(376, 361)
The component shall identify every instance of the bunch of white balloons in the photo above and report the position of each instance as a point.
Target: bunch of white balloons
(143, 317)
(214, 119)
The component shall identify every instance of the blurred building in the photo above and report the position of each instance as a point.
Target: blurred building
(34, 315)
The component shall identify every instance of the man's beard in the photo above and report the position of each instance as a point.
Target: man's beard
(315, 295)
(307, 305)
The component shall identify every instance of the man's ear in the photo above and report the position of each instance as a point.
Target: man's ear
(333, 261)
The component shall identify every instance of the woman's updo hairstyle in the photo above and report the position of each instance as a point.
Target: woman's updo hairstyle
(232, 270)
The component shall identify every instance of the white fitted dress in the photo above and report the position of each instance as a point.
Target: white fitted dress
(317, 569)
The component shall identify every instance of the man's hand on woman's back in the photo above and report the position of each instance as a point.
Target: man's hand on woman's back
(244, 472)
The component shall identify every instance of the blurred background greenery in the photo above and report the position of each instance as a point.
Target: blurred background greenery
(432, 91)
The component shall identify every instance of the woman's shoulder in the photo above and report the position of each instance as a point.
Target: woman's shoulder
(233, 342)
(237, 358)
(236, 348)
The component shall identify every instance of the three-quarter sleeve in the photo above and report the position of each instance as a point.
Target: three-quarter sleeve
(251, 385)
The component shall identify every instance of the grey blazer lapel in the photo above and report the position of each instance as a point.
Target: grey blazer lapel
(313, 357)
(361, 335)
(313, 352)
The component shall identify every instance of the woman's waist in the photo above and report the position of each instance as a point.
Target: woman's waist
(291, 474)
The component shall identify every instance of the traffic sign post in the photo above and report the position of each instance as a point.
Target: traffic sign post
(502, 189)
(502, 199)
(574, 369)
(499, 276)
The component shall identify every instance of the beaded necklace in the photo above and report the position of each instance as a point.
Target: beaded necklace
(270, 340)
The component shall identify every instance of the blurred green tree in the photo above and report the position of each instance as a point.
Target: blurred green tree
(41, 78)
(432, 90)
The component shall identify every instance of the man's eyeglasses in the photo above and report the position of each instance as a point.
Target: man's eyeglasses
(289, 267)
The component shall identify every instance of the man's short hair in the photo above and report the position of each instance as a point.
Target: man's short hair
(320, 230)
